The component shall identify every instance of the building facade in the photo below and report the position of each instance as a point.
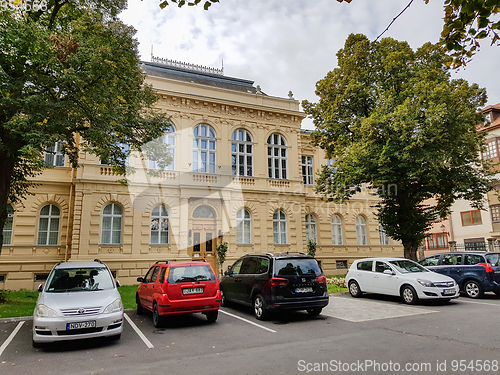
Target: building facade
(242, 172)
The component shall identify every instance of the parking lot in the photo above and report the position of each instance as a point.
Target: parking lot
(348, 336)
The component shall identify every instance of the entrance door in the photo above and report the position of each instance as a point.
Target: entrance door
(204, 243)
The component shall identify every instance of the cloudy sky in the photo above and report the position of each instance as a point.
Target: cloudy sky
(285, 45)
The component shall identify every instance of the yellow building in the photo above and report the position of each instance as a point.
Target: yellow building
(242, 172)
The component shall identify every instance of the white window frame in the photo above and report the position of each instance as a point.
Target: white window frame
(279, 228)
(242, 153)
(8, 226)
(116, 215)
(361, 231)
(277, 158)
(168, 139)
(385, 240)
(337, 231)
(308, 170)
(54, 156)
(311, 228)
(243, 227)
(48, 226)
(204, 155)
(160, 224)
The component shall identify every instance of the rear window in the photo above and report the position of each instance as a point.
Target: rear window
(79, 279)
(365, 266)
(297, 267)
(190, 273)
(493, 259)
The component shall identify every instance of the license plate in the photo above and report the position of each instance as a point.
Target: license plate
(192, 290)
(448, 292)
(303, 290)
(80, 325)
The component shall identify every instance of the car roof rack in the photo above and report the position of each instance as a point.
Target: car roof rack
(162, 261)
(98, 261)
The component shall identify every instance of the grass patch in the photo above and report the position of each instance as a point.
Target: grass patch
(128, 295)
(17, 303)
(336, 284)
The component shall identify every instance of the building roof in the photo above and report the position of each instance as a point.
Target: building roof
(197, 74)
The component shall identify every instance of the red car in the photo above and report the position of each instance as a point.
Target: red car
(179, 288)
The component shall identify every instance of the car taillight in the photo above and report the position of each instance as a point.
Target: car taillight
(278, 282)
(321, 279)
(488, 267)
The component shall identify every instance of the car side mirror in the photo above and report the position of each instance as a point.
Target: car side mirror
(117, 284)
(226, 273)
(40, 287)
(140, 279)
(389, 272)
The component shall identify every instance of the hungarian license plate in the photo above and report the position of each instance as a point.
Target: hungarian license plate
(448, 292)
(80, 325)
(303, 290)
(192, 290)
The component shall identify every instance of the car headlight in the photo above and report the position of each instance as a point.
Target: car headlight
(426, 283)
(45, 312)
(114, 307)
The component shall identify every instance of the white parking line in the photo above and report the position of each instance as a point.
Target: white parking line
(12, 335)
(480, 303)
(138, 331)
(248, 321)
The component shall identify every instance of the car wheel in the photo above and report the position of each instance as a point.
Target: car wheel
(157, 319)
(314, 312)
(212, 316)
(409, 295)
(354, 289)
(140, 309)
(473, 289)
(259, 307)
(497, 293)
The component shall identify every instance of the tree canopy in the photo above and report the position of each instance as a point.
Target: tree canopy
(392, 119)
(69, 73)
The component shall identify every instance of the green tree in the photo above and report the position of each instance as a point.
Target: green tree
(466, 23)
(69, 73)
(392, 119)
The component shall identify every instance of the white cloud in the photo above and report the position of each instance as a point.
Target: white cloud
(289, 45)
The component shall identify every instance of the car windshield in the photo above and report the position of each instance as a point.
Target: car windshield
(297, 267)
(407, 266)
(493, 259)
(190, 273)
(79, 279)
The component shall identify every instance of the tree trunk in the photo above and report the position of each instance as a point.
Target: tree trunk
(410, 251)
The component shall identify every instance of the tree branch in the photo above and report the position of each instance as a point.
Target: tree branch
(394, 19)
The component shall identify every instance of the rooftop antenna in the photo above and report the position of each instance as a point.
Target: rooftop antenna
(152, 53)
(222, 66)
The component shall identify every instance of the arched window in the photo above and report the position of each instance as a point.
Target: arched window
(311, 234)
(243, 227)
(337, 236)
(277, 157)
(385, 240)
(159, 225)
(361, 231)
(7, 228)
(48, 225)
(242, 153)
(168, 140)
(204, 148)
(203, 212)
(111, 232)
(54, 155)
(279, 228)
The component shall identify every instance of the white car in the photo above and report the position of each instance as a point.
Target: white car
(399, 277)
(80, 300)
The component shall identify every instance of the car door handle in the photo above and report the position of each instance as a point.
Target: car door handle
(237, 280)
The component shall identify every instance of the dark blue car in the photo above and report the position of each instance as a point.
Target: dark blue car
(474, 272)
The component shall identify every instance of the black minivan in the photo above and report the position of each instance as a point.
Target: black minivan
(275, 282)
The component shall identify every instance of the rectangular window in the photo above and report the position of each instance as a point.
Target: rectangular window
(471, 217)
(307, 170)
(475, 244)
(495, 213)
(437, 241)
